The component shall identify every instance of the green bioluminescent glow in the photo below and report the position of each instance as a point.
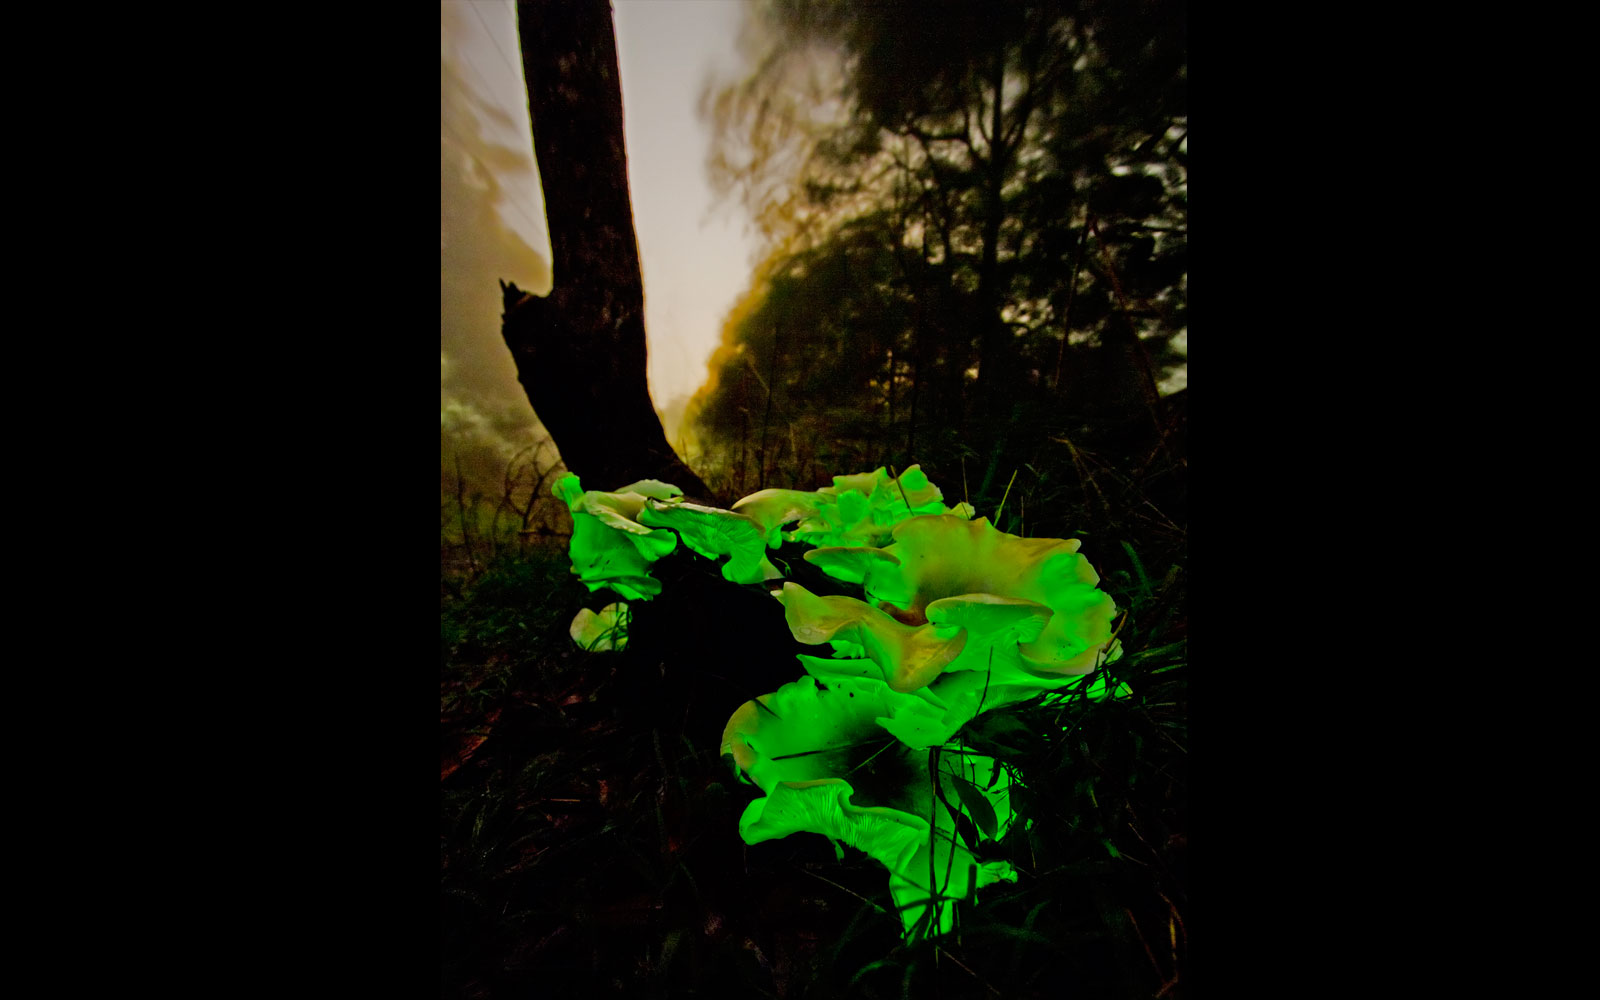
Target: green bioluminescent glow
(827, 764)
(609, 547)
(856, 510)
(959, 619)
(601, 631)
(968, 574)
(713, 532)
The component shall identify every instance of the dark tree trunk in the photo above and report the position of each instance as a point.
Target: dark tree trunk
(580, 352)
(997, 353)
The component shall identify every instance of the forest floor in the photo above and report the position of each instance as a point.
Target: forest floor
(589, 839)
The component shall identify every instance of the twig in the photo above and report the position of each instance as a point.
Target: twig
(772, 377)
(1148, 953)
(1085, 476)
(1003, 496)
(461, 508)
(1152, 392)
(847, 746)
(1181, 928)
(1072, 287)
(902, 486)
(963, 966)
(845, 889)
(870, 759)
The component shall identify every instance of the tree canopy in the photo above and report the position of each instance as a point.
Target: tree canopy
(976, 217)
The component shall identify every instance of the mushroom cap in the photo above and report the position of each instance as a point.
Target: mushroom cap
(609, 547)
(810, 745)
(653, 489)
(811, 727)
(773, 510)
(856, 510)
(907, 656)
(713, 532)
(938, 558)
(602, 631)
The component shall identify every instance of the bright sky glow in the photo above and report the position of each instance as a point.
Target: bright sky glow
(696, 257)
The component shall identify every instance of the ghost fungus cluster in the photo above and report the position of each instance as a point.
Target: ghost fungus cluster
(983, 618)
(898, 805)
(856, 510)
(618, 536)
(713, 532)
(958, 618)
(610, 547)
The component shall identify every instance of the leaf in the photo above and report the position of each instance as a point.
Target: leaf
(1021, 935)
(1150, 654)
(977, 805)
(1006, 733)
(1138, 567)
(868, 969)
(964, 829)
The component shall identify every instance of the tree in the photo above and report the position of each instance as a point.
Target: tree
(580, 352)
(1023, 168)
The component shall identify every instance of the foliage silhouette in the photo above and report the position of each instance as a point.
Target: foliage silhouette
(992, 229)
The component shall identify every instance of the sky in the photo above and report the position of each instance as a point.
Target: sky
(696, 254)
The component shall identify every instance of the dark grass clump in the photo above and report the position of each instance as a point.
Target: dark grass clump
(589, 838)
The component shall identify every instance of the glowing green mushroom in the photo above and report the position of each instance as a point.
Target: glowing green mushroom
(978, 618)
(866, 507)
(860, 509)
(966, 659)
(772, 510)
(934, 558)
(602, 631)
(609, 547)
(813, 728)
(928, 867)
(820, 753)
(713, 532)
(909, 657)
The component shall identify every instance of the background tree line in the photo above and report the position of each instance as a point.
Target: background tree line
(976, 216)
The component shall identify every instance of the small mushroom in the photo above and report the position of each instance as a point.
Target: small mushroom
(856, 510)
(713, 532)
(774, 510)
(933, 558)
(908, 656)
(820, 753)
(609, 547)
(602, 631)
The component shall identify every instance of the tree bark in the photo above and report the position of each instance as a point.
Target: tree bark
(580, 351)
(997, 352)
